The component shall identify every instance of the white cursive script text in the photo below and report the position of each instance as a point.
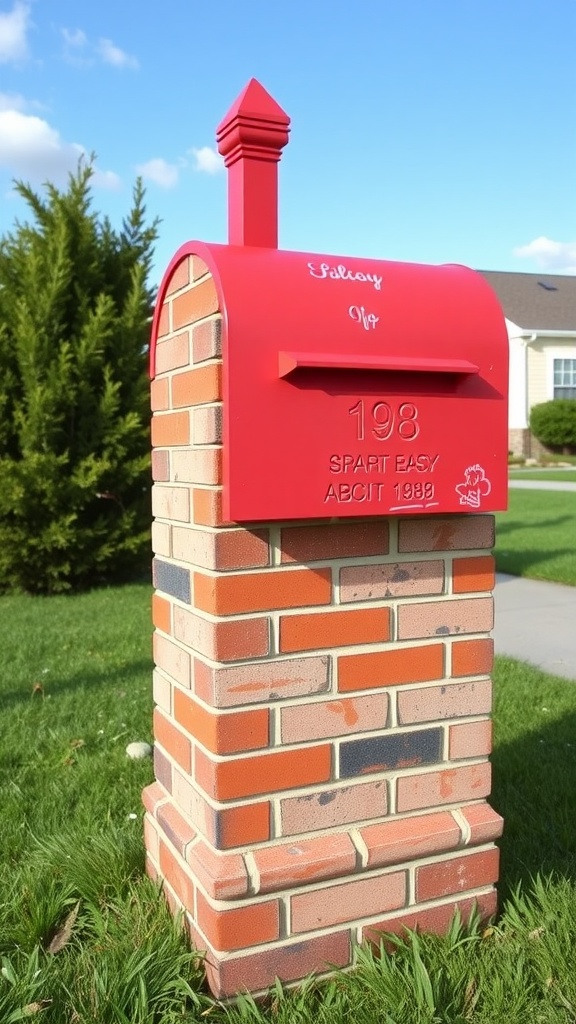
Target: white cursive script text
(341, 273)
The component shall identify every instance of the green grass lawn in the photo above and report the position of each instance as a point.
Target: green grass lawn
(85, 937)
(536, 537)
(565, 475)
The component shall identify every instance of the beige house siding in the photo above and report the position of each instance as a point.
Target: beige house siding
(537, 373)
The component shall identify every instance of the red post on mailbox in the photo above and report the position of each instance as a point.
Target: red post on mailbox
(323, 427)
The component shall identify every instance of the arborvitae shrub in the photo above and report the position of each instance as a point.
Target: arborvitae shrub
(75, 310)
(554, 424)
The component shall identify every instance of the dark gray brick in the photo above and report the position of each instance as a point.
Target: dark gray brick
(385, 753)
(171, 579)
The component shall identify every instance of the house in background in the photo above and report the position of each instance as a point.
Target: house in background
(540, 311)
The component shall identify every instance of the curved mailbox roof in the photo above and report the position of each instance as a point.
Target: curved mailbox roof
(357, 386)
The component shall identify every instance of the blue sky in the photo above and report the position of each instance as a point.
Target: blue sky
(423, 130)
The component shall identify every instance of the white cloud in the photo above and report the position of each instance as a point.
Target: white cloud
(12, 101)
(160, 172)
(13, 29)
(207, 160)
(32, 149)
(550, 255)
(74, 37)
(112, 54)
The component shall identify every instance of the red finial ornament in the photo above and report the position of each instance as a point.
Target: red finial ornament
(250, 138)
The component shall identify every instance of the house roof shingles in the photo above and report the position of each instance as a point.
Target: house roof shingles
(537, 302)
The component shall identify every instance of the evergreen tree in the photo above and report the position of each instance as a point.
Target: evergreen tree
(75, 310)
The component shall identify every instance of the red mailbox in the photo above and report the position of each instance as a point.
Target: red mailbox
(352, 387)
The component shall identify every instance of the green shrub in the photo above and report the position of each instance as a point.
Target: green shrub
(74, 421)
(554, 423)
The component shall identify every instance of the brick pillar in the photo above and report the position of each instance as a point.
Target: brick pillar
(322, 696)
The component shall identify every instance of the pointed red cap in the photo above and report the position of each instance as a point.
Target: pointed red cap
(255, 126)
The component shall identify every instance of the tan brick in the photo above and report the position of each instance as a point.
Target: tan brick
(260, 682)
(443, 618)
(471, 739)
(232, 640)
(162, 691)
(171, 502)
(197, 466)
(349, 901)
(450, 533)
(222, 549)
(173, 353)
(397, 579)
(207, 340)
(332, 807)
(207, 425)
(180, 277)
(172, 659)
(160, 464)
(161, 538)
(429, 703)
(450, 786)
(313, 721)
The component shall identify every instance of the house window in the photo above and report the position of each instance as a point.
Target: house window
(565, 378)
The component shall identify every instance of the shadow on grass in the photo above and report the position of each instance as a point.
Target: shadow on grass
(534, 789)
(126, 676)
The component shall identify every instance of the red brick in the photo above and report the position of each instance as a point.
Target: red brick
(174, 742)
(314, 721)
(445, 534)
(473, 574)
(485, 824)
(262, 591)
(195, 304)
(431, 703)
(472, 657)
(439, 618)
(178, 876)
(330, 808)
(349, 901)
(180, 276)
(223, 876)
(153, 795)
(172, 354)
(207, 340)
(471, 739)
(172, 659)
(161, 613)
(341, 540)
(221, 549)
(390, 668)
(207, 507)
(197, 386)
(334, 629)
(265, 681)
(433, 920)
(240, 928)
(406, 839)
(199, 267)
(160, 465)
(451, 786)
(396, 579)
(222, 640)
(263, 773)
(175, 827)
(305, 861)
(288, 962)
(242, 826)
(472, 871)
(160, 394)
(224, 733)
(164, 320)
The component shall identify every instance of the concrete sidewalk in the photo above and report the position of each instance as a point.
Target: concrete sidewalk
(543, 485)
(536, 622)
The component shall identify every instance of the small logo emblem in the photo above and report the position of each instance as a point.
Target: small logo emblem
(475, 487)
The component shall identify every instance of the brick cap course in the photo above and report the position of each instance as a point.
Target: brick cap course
(303, 861)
